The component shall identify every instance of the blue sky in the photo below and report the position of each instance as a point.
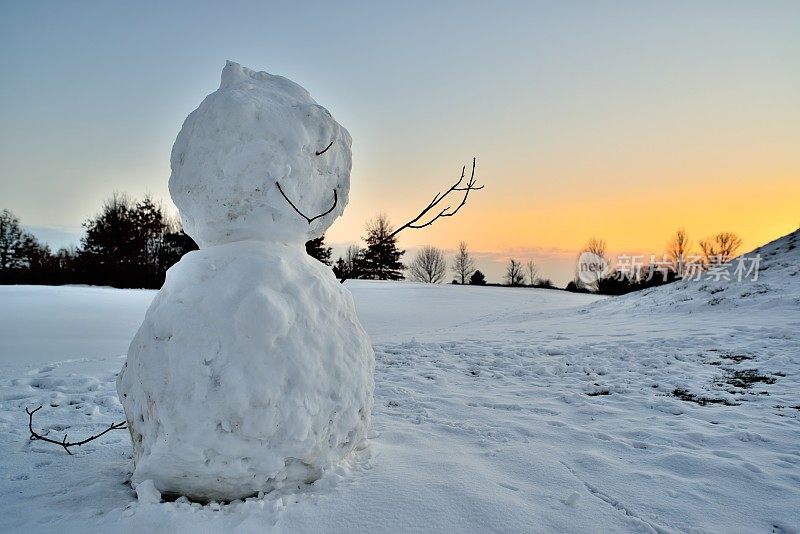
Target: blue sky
(558, 100)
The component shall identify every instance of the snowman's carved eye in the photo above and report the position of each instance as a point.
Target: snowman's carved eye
(321, 152)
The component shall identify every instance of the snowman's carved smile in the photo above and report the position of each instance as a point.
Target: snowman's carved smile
(311, 219)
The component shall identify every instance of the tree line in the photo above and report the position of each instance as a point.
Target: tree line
(430, 266)
(131, 244)
(379, 258)
(679, 260)
(128, 244)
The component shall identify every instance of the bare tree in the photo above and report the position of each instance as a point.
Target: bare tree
(596, 246)
(352, 257)
(591, 280)
(514, 273)
(463, 264)
(533, 271)
(428, 265)
(678, 250)
(720, 248)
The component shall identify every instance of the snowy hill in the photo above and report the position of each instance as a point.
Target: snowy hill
(496, 409)
(777, 283)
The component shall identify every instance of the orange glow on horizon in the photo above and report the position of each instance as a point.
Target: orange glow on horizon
(639, 220)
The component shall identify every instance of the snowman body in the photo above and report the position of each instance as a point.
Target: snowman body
(251, 371)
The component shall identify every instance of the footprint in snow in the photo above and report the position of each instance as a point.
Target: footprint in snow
(571, 499)
(726, 454)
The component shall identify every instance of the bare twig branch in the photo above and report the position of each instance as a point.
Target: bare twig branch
(437, 199)
(446, 212)
(64, 443)
(310, 220)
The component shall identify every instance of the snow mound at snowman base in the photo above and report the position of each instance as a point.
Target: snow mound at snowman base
(277, 392)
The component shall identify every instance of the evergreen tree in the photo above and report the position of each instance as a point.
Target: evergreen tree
(477, 279)
(174, 244)
(66, 267)
(316, 249)
(131, 244)
(108, 254)
(352, 265)
(150, 227)
(40, 265)
(126, 245)
(13, 242)
(340, 269)
(22, 258)
(382, 257)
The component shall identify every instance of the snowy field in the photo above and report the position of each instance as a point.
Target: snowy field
(496, 410)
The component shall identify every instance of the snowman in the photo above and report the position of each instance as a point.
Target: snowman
(251, 371)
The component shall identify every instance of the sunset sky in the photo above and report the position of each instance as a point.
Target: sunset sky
(621, 120)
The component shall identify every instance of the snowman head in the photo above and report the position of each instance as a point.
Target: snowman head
(259, 159)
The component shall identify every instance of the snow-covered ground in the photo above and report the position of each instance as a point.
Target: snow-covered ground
(496, 410)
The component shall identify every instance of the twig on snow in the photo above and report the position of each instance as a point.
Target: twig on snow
(35, 436)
